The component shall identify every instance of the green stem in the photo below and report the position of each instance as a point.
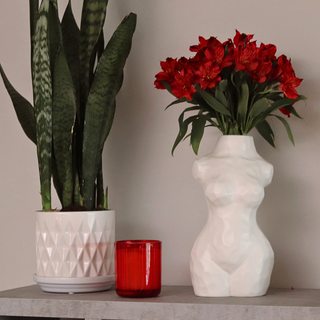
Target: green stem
(100, 191)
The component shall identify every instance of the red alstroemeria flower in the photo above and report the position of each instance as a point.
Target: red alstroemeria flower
(284, 63)
(246, 58)
(288, 83)
(260, 73)
(230, 45)
(197, 59)
(235, 62)
(205, 43)
(241, 39)
(217, 56)
(285, 112)
(169, 67)
(288, 80)
(267, 52)
(183, 84)
(208, 75)
(183, 63)
(278, 68)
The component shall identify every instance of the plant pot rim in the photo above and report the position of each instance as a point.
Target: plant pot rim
(76, 212)
(236, 136)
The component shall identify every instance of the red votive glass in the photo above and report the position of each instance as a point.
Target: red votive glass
(138, 268)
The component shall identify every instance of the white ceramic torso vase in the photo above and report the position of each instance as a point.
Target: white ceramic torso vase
(231, 256)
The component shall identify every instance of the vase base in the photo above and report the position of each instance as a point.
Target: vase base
(75, 285)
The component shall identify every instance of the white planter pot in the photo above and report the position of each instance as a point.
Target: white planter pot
(75, 250)
(231, 256)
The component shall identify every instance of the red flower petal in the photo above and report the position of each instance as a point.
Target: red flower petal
(285, 112)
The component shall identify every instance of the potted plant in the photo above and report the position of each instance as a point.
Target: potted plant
(75, 80)
(233, 86)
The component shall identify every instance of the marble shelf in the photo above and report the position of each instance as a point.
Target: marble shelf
(174, 302)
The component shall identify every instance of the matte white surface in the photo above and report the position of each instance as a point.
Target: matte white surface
(231, 256)
(153, 193)
(75, 245)
(75, 285)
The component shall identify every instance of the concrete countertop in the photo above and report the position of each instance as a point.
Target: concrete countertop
(174, 302)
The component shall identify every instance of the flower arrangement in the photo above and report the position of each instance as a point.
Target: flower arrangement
(233, 86)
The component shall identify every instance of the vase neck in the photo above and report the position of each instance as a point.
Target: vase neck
(235, 146)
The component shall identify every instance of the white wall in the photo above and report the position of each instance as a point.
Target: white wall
(152, 192)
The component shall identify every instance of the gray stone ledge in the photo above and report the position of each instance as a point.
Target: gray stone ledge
(174, 302)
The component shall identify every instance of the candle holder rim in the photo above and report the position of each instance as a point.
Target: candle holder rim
(137, 242)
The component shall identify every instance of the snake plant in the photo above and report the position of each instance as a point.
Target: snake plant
(75, 80)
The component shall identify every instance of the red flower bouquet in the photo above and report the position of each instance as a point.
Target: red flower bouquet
(234, 86)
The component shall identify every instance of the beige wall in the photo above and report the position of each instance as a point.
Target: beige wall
(153, 193)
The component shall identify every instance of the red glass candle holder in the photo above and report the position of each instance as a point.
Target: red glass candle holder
(138, 268)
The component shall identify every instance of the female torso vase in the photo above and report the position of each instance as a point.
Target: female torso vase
(231, 256)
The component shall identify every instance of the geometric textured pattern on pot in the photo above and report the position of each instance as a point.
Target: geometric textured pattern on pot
(75, 244)
(231, 256)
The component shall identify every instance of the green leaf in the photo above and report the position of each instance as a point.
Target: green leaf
(280, 103)
(55, 4)
(243, 103)
(274, 96)
(197, 132)
(63, 118)
(221, 97)
(176, 102)
(33, 14)
(105, 203)
(100, 107)
(214, 103)
(238, 78)
(183, 128)
(99, 188)
(292, 110)
(224, 85)
(198, 100)
(259, 107)
(100, 45)
(286, 125)
(71, 44)
(167, 86)
(283, 102)
(266, 132)
(55, 178)
(96, 55)
(77, 194)
(54, 33)
(195, 108)
(209, 119)
(92, 21)
(42, 89)
(23, 109)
